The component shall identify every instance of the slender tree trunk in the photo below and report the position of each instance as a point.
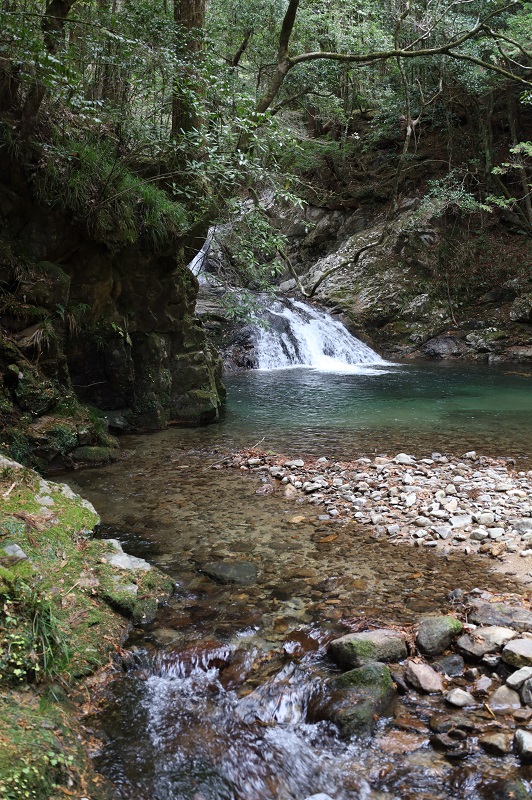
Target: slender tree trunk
(53, 26)
(189, 18)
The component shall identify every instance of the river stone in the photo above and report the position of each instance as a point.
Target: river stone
(518, 653)
(124, 561)
(483, 686)
(526, 692)
(459, 698)
(357, 649)
(484, 640)
(512, 789)
(461, 521)
(15, 551)
(435, 634)
(498, 744)
(356, 699)
(242, 573)
(522, 526)
(516, 679)
(520, 619)
(423, 677)
(504, 699)
(452, 666)
(403, 458)
(523, 744)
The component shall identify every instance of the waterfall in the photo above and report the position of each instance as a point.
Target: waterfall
(295, 334)
(197, 265)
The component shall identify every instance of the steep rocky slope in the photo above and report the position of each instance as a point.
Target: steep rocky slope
(83, 322)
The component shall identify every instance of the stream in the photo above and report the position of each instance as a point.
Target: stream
(220, 696)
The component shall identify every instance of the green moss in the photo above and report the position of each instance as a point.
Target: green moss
(94, 455)
(59, 592)
(375, 678)
(40, 751)
(360, 650)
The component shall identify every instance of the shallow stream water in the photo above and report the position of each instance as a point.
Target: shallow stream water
(218, 700)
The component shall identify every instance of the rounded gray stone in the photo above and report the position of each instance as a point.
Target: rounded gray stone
(435, 634)
(357, 649)
(243, 572)
(518, 653)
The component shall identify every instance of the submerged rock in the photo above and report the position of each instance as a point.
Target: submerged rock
(243, 572)
(509, 790)
(357, 649)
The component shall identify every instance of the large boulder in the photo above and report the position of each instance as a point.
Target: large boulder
(484, 640)
(521, 310)
(501, 614)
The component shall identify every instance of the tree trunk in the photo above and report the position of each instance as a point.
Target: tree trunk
(189, 18)
(53, 26)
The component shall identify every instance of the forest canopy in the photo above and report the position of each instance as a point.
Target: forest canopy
(154, 116)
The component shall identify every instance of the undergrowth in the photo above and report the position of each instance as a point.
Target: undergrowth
(118, 207)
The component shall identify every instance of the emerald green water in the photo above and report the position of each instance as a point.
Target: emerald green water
(414, 407)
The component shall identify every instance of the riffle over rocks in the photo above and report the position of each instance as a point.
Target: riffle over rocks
(83, 322)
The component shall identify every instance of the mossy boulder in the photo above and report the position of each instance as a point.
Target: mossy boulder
(94, 455)
(357, 699)
(357, 649)
(521, 310)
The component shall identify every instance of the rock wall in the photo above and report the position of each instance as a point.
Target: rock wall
(82, 323)
(426, 290)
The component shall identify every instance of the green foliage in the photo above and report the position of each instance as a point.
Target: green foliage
(31, 641)
(448, 194)
(117, 207)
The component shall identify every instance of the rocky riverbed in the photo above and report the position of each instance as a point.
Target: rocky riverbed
(471, 505)
(308, 652)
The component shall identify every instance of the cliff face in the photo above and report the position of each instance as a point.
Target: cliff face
(422, 292)
(83, 323)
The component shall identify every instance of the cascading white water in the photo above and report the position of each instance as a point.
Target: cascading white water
(298, 335)
(197, 265)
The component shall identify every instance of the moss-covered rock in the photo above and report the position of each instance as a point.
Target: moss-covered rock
(94, 455)
(435, 634)
(358, 698)
(58, 619)
(357, 649)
